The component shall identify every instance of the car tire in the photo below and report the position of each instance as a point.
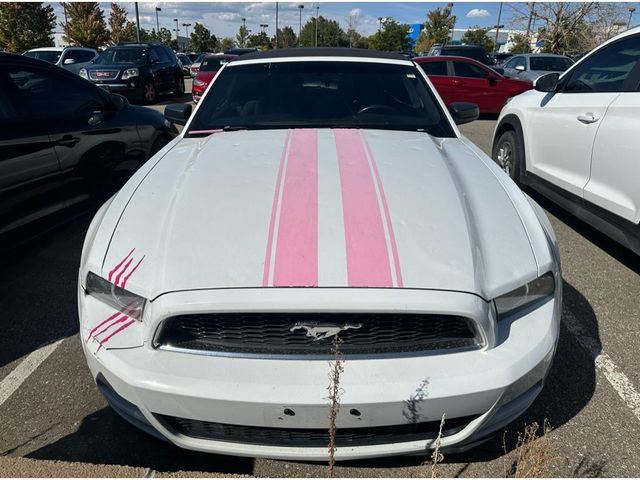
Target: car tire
(179, 89)
(149, 93)
(507, 153)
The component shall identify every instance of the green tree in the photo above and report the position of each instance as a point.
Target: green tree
(120, 29)
(423, 42)
(260, 40)
(478, 36)
(86, 25)
(438, 24)
(202, 40)
(392, 36)
(163, 36)
(329, 33)
(226, 43)
(26, 25)
(520, 43)
(242, 36)
(286, 38)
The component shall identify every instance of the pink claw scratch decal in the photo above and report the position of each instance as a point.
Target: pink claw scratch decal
(122, 271)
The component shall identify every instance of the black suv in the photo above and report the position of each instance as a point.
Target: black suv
(139, 71)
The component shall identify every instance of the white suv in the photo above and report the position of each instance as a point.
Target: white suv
(70, 58)
(576, 138)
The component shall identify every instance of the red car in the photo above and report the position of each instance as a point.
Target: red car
(208, 69)
(461, 79)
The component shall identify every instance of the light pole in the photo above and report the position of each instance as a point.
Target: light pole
(276, 24)
(379, 23)
(317, 12)
(631, 10)
(177, 29)
(497, 27)
(449, 8)
(263, 26)
(186, 28)
(158, 9)
(300, 7)
(137, 24)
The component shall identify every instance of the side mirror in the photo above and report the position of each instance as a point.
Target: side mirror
(118, 101)
(68, 61)
(520, 68)
(464, 112)
(547, 83)
(177, 113)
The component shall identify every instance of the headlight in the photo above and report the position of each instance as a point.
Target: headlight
(129, 73)
(529, 294)
(114, 296)
(83, 73)
(199, 83)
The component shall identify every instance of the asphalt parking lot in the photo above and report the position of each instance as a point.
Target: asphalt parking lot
(55, 423)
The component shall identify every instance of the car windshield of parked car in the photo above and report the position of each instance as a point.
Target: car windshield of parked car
(213, 64)
(184, 59)
(123, 55)
(51, 56)
(550, 64)
(200, 57)
(331, 94)
(475, 53)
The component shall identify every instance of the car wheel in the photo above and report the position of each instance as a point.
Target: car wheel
(149, 92)
(179, 89)
(506, 153)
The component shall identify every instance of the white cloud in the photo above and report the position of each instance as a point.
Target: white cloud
(478, 12)
(355, 12)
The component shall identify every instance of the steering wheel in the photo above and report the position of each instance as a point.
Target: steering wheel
(376, 106)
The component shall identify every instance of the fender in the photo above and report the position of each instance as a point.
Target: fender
(512, 122)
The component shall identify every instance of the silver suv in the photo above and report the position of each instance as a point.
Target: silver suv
(70, 58)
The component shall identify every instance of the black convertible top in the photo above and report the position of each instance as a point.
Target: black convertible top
(321, 52)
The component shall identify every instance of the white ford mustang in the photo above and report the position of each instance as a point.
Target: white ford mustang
(317, 193)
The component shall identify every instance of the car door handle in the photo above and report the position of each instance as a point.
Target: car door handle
(68, 141)
(458, 82)
(588, 118)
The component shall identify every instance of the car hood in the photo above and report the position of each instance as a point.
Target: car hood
(320, 208)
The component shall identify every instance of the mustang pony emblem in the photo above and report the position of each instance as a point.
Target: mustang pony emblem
(320, 331)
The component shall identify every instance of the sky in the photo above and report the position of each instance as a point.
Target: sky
(224, 18)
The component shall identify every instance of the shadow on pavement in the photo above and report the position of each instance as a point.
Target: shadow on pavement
(104, 438)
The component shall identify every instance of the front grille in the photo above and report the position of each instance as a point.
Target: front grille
(274, 333)
(103, 74)
(311, 437)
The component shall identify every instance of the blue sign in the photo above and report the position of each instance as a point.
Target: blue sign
(414, 31)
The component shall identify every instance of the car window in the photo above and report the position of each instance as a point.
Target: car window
(123, 55)
(213, 64)
(316, 94)
(466, 69)
(80, 56)
(476, 53)
(606, 70)
(159, 54)
(42, 94)
(550, 64)
(51, 56)
(518, 61)
(434, 68)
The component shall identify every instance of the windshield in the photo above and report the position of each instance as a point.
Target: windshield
(319, 94)
(184, 59)
(200, 57)
(213, 64)
(123, 55)
(50, 56)
(550, 64)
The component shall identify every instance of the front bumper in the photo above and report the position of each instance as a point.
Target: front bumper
(493, 385)
(131, 89)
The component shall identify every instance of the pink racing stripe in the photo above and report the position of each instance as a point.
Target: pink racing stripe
(119, 264)
(385, 206)
(115, 332)
(115, 322)
(296, 258)
(124, 280)
(367, 256)
(272, 221)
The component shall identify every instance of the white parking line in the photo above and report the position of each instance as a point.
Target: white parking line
(616, 377)
(25, 368)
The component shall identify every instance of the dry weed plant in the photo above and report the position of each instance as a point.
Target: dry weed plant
(532, 453)
(336, 369)
(436, 456)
